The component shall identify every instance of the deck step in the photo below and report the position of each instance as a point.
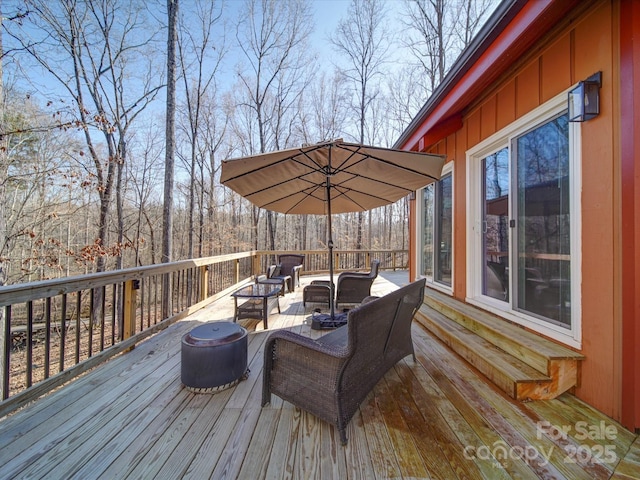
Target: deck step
(524, 365)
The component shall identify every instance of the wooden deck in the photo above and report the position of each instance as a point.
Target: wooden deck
(435, 418)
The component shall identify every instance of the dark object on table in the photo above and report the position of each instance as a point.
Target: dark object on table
(213, 357)
(330, 377)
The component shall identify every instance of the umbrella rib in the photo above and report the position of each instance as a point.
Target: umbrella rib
(355, 148)
(280, 184)
(307, 194)
(299, 177)
(348, 189)
(286, 159)
(345, 192)
(366, 156)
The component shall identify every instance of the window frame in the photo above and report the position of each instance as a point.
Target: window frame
(447, 169)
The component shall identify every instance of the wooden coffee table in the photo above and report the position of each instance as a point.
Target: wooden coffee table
(260, 300)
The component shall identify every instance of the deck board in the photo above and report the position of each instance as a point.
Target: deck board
(429, 418)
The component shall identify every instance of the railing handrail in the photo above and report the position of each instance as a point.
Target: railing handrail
(23, 292)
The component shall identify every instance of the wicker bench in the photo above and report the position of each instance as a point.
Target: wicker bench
(330, 377)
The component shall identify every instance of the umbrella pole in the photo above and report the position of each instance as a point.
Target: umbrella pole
(330, 244)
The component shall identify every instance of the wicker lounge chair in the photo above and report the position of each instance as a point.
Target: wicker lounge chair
(289, 264)
(353, 287)
(330, 377)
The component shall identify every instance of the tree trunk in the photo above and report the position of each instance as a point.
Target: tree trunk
(167, 211)
(4, 167)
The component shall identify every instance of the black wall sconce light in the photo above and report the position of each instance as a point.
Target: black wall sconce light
(584, 100)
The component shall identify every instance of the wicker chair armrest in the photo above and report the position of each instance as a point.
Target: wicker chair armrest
(295, 273)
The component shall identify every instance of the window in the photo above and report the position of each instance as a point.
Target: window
(437, 230)
(524, 217)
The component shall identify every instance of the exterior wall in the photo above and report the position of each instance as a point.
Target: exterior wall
(630, 208)
(571, 53)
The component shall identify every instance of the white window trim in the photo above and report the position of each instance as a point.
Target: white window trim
(446, 169)
(572, 336)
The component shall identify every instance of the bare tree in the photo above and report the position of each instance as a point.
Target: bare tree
(170, 147)
(215, 123)
(93, 49)
(272, 36)
(403, 99)
(324, 116)
(200, 57)
(363, 40)
(144, 176)
(438, 30)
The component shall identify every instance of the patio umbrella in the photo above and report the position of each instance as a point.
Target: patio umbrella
(330, 177)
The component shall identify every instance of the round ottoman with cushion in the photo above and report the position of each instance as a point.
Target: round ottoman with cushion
(214, 357)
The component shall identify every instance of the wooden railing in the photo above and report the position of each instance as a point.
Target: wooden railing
(55, 330)
(317, 261)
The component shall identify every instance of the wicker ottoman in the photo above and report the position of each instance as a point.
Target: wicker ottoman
(214, 357)
(318, 292)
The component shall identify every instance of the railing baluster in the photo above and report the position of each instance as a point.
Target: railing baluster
(47, 337)
(91, 321)
(183, 290)
(78, 325)
(142, 315)
(103, 315)
(113, 315)
(129, 308)
(29, 346)
(63, 334)
(155, 300)
(6, 352)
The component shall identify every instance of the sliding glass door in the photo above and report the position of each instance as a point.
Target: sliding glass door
(525, 222)
(543, 220)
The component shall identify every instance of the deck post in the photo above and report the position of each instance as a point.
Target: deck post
(237, 270)
(129, 310)
(255, 264)
(204, 282)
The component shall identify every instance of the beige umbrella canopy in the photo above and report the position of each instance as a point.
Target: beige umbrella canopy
(361, 177)
(330, 177)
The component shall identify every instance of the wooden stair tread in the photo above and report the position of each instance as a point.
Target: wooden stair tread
(522, 364)
(488, 325)
(472, 346)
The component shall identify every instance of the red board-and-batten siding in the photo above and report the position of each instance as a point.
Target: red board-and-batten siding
(577, 44)
(630, 172)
